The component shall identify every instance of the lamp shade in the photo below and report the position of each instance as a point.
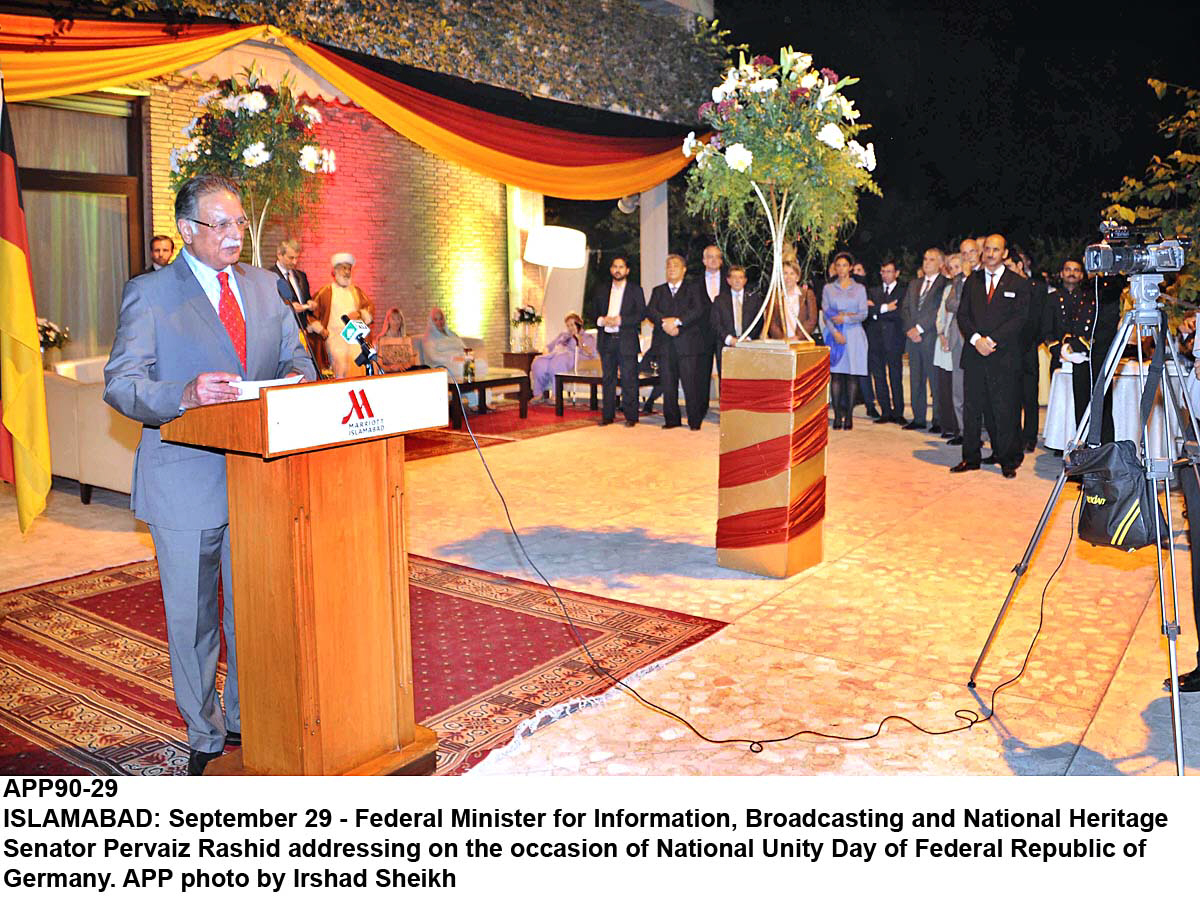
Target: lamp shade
(556, 247)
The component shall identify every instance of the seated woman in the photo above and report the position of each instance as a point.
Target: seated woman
(560, 355)
(395, 347)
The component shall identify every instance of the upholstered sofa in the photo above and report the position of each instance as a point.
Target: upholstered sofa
(89, 441)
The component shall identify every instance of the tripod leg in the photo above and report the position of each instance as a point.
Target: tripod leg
(1110, 368)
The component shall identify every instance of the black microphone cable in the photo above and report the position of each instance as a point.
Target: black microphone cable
(968, 717)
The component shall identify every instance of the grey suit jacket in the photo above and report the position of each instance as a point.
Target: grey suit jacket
(167, 333)
(916, 310)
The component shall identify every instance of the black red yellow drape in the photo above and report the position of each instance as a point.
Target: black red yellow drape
(91, 55)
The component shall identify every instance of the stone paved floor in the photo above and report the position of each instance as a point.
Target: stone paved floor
(917, 566)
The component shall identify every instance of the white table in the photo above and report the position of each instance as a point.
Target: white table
(1060, 410)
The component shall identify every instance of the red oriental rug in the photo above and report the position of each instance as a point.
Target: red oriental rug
(496, 428)
(85, 683)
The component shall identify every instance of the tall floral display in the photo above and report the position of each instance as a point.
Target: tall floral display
(260, 136)
(784, 146)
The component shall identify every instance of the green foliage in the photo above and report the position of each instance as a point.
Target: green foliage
(1167, 196)
(783, 145)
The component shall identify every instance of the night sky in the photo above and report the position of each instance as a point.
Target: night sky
(985, 118)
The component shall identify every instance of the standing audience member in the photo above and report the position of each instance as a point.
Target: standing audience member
(679, 311)
(920, 325)
(885, 358)
(844, 304)
(991, 315)
(948, 351)
(162, 248)
(624, 307)
(714, 286)
(341, 297)
(733, 312)
(800, 315)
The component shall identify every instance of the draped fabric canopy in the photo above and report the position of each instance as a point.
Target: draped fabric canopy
(558, 162)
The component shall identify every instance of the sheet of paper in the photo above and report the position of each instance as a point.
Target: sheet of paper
(250, 388)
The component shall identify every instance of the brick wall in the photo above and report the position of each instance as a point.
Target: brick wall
(425, 232)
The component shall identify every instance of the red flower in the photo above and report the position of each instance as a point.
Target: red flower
(725, 107)
(297, 123)
(266, 90)
(763, 60)
(830, 75)
(704, 109)
(225, 128)
(798, 94)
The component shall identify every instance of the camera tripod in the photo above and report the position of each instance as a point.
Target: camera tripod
(1146, 314)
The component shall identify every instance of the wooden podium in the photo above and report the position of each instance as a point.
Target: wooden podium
(320, 572)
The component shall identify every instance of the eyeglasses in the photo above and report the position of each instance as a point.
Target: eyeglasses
(233, 225)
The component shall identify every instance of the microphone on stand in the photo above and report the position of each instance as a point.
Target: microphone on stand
(356, 332)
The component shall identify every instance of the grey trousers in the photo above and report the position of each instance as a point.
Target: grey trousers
(190, 564)
(920, 375)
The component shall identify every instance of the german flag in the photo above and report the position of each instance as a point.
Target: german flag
(24, 438)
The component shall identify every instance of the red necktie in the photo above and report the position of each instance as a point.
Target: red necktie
(231, 317)
(991, 289)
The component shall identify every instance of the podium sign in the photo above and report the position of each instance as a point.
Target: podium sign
(333, 412)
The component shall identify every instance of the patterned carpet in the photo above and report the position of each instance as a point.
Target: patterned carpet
(85, 685)
(496, 428)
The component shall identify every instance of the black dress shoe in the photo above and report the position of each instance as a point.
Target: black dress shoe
(991, 459)
(233, 739)
(198, 760)
(1031, 445)
(603, 423)
(1009, 472)
(693, 426)
(1188, 682)
(886, 419)
(963, 466)
(849, 424)
(899, 419)
(631, 423)
(670, 426)
(648, 408)
(872, 413)
(957, 440)
(935, 429)
(913, 426)
(837, 424)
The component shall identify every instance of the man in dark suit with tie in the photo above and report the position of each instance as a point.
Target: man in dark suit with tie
(885, 344)
(162, 248)
(991, 317)
(624, 307)
(680, 311)
(714, 286)
(185, 336)
(732, 313)
(293, 289)
(919, 313)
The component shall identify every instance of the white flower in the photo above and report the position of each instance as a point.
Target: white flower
(189, 127)
(827, 92)
(726, 87)
(310, 158)
(847, 108)
(256, 154)
(254, 102)
(231, 104)
(801, 62)
(831, 135)
(764, 85)
(738, 157)
(704, 156)
(205, 98)
(328, 163)
(810, 79)
(174, 160)
(192, 148)
(864, 156)
(313, 116)
(689, 143)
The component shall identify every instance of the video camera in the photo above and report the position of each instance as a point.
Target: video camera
(1130, 250)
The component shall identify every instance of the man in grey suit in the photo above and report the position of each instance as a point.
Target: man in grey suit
(186, 335)
(919, 310)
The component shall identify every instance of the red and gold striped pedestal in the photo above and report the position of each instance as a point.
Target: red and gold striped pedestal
(774, 429)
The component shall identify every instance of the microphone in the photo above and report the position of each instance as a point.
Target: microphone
(356, 332)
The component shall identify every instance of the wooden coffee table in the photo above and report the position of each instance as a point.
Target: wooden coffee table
(494, 378)
(593, 381)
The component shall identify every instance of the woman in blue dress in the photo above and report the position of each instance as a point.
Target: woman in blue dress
(844, 305)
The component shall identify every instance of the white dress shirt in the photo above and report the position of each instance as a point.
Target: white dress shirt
(615, 294)
(887, 307)
(990, 280)
(925, 288)
(712, 283)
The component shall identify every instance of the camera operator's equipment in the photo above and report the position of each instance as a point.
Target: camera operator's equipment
(357, 332)
(1127, 251)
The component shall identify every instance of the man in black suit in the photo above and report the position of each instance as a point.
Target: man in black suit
(715, 285)
(680, 312)
(919, 313)
(624, 307)
(885, 344)
(287, 258)
(991, 317)
(732, 313)
(162, 248)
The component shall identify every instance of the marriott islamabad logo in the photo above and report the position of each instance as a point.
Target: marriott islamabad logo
(359, 406)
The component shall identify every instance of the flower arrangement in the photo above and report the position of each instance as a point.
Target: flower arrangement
(526, 314)
(783, 142)
(259, 136)
(51, 335)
